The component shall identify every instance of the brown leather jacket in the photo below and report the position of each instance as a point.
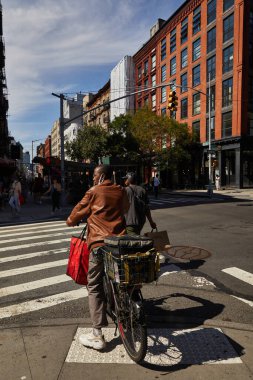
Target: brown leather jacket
(104, 206)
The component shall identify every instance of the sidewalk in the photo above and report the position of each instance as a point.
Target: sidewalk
(50, 350)
(33, 212)
(246, 194)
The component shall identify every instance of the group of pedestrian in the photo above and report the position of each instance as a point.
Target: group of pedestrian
(110, 209)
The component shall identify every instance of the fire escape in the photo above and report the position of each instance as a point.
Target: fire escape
(4, 105)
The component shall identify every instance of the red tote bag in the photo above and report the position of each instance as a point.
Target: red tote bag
(78, 262)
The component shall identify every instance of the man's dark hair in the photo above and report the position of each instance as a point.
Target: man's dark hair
(131, 176)
(106, 170)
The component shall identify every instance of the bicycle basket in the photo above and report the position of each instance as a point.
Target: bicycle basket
(134, 268)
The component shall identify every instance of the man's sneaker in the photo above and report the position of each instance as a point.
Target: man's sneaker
(92, 341)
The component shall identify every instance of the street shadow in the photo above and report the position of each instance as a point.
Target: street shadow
(181, 200)
(171, 350)
(195, 315)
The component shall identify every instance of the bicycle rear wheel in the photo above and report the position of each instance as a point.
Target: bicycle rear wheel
(132, 327)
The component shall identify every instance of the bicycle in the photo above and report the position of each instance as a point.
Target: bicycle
(123, 277)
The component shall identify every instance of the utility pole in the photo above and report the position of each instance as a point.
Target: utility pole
(62, 124)
(210, 187)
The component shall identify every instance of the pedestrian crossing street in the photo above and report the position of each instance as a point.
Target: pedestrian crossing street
(34, 257)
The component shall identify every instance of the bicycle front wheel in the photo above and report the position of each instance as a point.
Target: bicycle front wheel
(132, 327)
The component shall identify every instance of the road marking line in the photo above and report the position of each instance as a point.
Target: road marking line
(240, 274)
(250, 303)
(32, 268)
(11, 248)
(67, 229)
(30, 255)
(169, 269)
(41, 303)
(16, 289)
(166, 347)
(32, 225)
(36, 237)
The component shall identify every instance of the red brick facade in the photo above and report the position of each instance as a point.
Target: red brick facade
(227, 57)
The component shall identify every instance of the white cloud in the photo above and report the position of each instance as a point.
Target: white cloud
(44, 37)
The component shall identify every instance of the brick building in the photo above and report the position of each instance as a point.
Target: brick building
(100, 116)
(202, 40)
(48, 146)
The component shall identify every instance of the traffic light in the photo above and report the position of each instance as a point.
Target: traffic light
(172, 101)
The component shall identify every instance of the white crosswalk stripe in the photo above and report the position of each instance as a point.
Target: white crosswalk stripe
(45, 283)
(240, 274)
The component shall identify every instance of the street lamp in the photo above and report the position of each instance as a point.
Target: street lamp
(33, 141)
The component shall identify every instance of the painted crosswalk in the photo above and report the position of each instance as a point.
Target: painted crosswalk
(173, 201)
(29, 266)
(22, 260)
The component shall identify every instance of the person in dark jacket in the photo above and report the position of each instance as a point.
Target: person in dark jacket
(104, 206)
(139, 206)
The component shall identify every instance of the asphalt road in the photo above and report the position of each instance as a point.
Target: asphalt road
(33, 259)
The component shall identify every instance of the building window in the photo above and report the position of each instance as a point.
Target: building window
(153, 100)
(173, 66)
(211, 11)
(227, 124)
(228, 59)
(196, 49)
(173, 85)
(153, 62)
(146, 101)
(153, 80)
(163, 111)
(250, 41)
(196, 104)
(196, 76)
(228, 28)
(211, 40)
(211, 68)
(146, 67)
(196, 130)
(227, 92)
(184, 58)
(212, 97)
(146, 83)
(250, 94)
(163, 49)
(184, 108)
(184, 30)
(196, 25)
(184, 82)
(163, 73)
(173, 40)
(212, 120)
(163, 94)
(139, 93)
(227, 4)
(139, 72)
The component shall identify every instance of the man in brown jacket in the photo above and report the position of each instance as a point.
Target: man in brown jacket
(104, 206)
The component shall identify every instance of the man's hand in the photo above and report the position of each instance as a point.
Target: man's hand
(70, 223)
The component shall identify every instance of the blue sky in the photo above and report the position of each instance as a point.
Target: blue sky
(67, 46)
